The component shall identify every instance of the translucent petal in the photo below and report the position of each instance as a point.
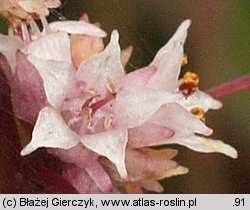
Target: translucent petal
(80, 179)
(103, 66)
(125, 55)
(77, 27)
(142, 165)
(110, 144)
(152, 185)
(206, 145)
(168, 60)
(51, 131)
(139, 77)
(52, 3)
(148, 134)
(8, 47)
(136, 105)
(87, 161)
(57, 77)
(83, 47)
(28, 94)
(38, 7)
(55, 46)
(180, 170)
(202, 100)
(182, 122)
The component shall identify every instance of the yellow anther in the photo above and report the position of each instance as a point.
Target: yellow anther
(108, 122)
(86, 113)
(189, 83)
(199, 113)
(110, 86)
(184, 60)
(90, 93)
(191, 77)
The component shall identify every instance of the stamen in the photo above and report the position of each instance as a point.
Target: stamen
(45, 24)
(191, 77)
(184, 60)
(108, 122)
(230, 87)
(199, 113)
(110, 86)
(90, 93)
(189, 83)
(35, 30)
(11, 31)
(25, 33)
(86, 114)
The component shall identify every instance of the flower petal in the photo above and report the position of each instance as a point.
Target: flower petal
(152, 185)
(83, 47)
(110, 144)
(125, 55)
(57, 77)
(139, 77)
(170, 121)
(136, 105)
(52, 3)
(28, 95)
(200, 99)
(180, 170)
(85, 159)
(77, 27)
(38, 7)
(141, 165)
(80, 179)
(182, 122)
(206, 145)
(8, 47)
(55, 46)
(51, 131)
(9, 140)
(103, 66)
(168, 61)
(148, 134)
(5, 68)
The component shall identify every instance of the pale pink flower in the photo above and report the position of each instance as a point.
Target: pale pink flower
(18, 10)
(97, 110)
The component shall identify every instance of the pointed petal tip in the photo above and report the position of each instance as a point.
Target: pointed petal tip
(28, 149)
(232, 153)
(208, 131)
(218, 105)
(115, 36)
(123, 174)
(186, 24)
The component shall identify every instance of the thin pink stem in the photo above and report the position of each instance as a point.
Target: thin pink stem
(230, 87)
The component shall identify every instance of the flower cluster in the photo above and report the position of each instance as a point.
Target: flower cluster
(98, 119)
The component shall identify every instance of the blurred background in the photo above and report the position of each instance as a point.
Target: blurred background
(218, 48)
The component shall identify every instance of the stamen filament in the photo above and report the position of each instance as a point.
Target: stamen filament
(45, 24)
(25, 34)
(35, 30)
(230, 87)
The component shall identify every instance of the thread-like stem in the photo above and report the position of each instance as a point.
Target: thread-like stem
(230, 87)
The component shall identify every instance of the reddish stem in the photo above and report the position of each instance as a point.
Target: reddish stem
(230, 87)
